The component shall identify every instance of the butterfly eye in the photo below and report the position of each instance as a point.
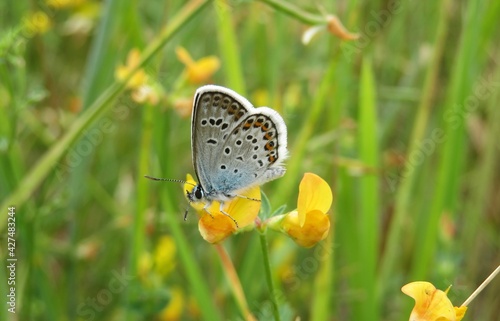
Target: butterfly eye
(198, 193)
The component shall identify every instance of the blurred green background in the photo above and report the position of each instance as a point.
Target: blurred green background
(403, 122)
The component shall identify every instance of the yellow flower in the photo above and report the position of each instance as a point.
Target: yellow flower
(142, 89)
(431, 304)
(123, 71)
(36, 23)
(173, 310)
(309, 224)
(198, 71)
(216, 227)
(164, 255)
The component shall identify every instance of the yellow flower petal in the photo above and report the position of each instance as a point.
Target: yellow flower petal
(431, 304)
(137, 80)
(188, 187)
(244, 210)
(203, 69)
(37, 23)
(133, 58)
(190, 183)
(216, 229)
(198, 71)
(122, 72)
(460, 312)
(314, 194)
(184, 56)
(314, 229)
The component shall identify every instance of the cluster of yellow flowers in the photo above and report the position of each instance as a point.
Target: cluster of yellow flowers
(306, 225)
(142, 87)
(145, 90)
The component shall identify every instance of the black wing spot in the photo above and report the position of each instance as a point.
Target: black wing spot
(212, 121)
(239, 158)
(227, 151)
(254, 141)
(206, 99)
(268, 135)
(224, 126)
(212, 141)
(223, 166)
(217, 99)
(225, 102)
(240, 114)
(204, 122)
(261, 163)
(233, 108)
(239, 142)
(224, 137)
(235, 171)
(249, 137)
(254, 156)
(218, 122)
(256, 148)
(236, 132)
(248, 124)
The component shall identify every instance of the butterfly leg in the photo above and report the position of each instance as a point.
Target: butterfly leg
(206, 209)
(248, 198)
(241, 196)
(227, 214)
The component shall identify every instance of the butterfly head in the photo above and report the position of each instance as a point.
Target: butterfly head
(197, 194)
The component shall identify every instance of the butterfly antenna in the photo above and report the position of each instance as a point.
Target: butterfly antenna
(175, 181)
(168, 180)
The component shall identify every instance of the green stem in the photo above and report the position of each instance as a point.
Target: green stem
(368, 189)
(296, 12)
(269, 277)
(142, 188)
(228, 46)
(403, 196)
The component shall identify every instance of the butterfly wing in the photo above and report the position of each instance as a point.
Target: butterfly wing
(216, 112)
(235, 146)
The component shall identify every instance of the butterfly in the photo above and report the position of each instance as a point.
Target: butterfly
(235, 146)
